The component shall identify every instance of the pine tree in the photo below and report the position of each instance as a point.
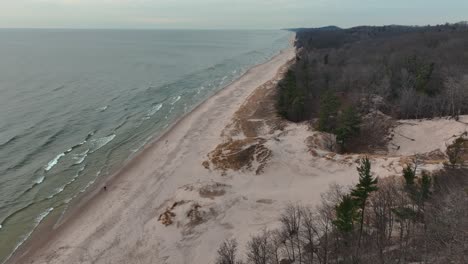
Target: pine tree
(346, 214)
(329, 105)
(409, 175)
(426, 183)
(361, 192)
(348, 127)
(291, 99)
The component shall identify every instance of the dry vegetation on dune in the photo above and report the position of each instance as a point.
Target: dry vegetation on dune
(255, 122)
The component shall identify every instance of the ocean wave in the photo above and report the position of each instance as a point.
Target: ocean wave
(37, 221)
(90, 134)
(39, 180)
(80, 157)
(102, 109)
(56, 191)
(87, 186)
(58, 88)
(88, 137)
(54, 162)
(35, 182)
(176, 99)
(11, 214)
(30, 155)
(100, 142)
(62, 188)
(122, 123)
(153, 110)
(9, 141)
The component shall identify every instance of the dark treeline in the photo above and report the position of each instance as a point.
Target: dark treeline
(409, 72)
(415, 218)
(347, 79)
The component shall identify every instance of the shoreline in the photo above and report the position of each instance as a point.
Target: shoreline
(48, 231)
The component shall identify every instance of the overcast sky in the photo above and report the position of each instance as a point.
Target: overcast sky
(229, 14)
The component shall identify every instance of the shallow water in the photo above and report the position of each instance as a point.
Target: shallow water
(74, 104)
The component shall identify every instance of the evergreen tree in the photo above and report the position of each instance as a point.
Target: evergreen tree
(329, 105)
(365, 186)
(346, 214)
(409, 174)
(291, 100)
(426, 183)
(348, 127)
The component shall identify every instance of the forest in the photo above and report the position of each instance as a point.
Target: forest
(400, 71)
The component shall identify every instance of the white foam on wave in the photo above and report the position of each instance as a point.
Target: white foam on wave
(54, 162)
(81, 157)
(87, 186)
(153, 110)
(62, 188)
(57, 191)
(102, 109)
(176, 99)
(39, 180)
(101, 142)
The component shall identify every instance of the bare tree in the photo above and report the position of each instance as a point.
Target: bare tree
(227, 252)
(260, 250)
(290, 223)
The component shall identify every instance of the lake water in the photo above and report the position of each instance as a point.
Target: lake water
(75, 104)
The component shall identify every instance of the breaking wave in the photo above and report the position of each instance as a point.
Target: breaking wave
(176, 99)
(100, 142)
(153, 110)
(54, 162)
